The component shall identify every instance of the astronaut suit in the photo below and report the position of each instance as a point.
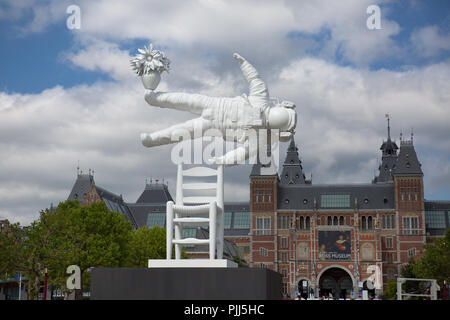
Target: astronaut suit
(236, 115)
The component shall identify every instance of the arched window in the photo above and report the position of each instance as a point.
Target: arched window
(335, 221)
(330, 221)
(341, 220)
(302, 223)
(307, 223)
(369, 223)
(363, 223)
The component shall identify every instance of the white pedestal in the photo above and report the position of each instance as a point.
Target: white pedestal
(191, 263)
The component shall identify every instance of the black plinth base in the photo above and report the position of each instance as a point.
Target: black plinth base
(185, 284)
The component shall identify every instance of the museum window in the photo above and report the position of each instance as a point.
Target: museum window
(415, 194)
(284, 257)
(335, 221)
(284, 222)
(388, 222)
(268, 196)
(263, 196)
(262, 226)
(335, 200)
(305, 223)
(402, 194)
(411, 253)
(435, 219)
(411, 225)
(263, 252)
(227, 220)
(389, 242)
(389, 257)
(284, 273)
(363, 223)
(263, 266)
(330, 221)
(369, 223)
(241, 220)
(156, 219)
(284, 243)
(341, 221)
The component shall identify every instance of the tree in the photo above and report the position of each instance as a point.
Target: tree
(89, 237)
(435, 261)
(391, 290)
(148, 244)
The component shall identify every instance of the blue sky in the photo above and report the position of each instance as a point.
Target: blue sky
(70, 95)
(40, 54)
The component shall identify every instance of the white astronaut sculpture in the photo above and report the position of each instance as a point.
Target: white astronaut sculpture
(237, 115)
(233, 119)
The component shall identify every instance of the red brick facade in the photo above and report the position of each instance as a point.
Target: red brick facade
(293, 249)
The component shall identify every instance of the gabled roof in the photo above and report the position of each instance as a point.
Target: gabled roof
(407, 162)
(81, 187)
(114, 202)
(292, 168)
(155, 193)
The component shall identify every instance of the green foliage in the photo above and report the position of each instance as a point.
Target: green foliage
(91, 236)
(86, 236)
(239, 261)
(435, 261)
(391, 290)
(148, 244)
(9, 240)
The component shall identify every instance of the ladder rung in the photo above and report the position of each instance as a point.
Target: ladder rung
(191, 241)
(199, 172)
(202, 209)
(200, 186)
(191, 220)
(199, 199)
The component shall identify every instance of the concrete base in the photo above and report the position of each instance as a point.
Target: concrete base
(185, 284)
(192, 263)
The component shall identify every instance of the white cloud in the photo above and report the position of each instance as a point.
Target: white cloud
(341, 109)
(341, 114)
(428, 42)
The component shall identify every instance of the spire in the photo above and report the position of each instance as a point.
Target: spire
(389, 147)
(388, 158)
(388, 127)
(292, 168)
(407, 162)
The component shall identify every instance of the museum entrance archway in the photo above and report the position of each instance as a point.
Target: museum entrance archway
(335, 281)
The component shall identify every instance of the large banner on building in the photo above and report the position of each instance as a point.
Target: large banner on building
(335, 245)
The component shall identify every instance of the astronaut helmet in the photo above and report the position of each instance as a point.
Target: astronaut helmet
(282, 116)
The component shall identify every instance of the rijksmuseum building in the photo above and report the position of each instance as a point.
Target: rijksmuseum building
(322, 238)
